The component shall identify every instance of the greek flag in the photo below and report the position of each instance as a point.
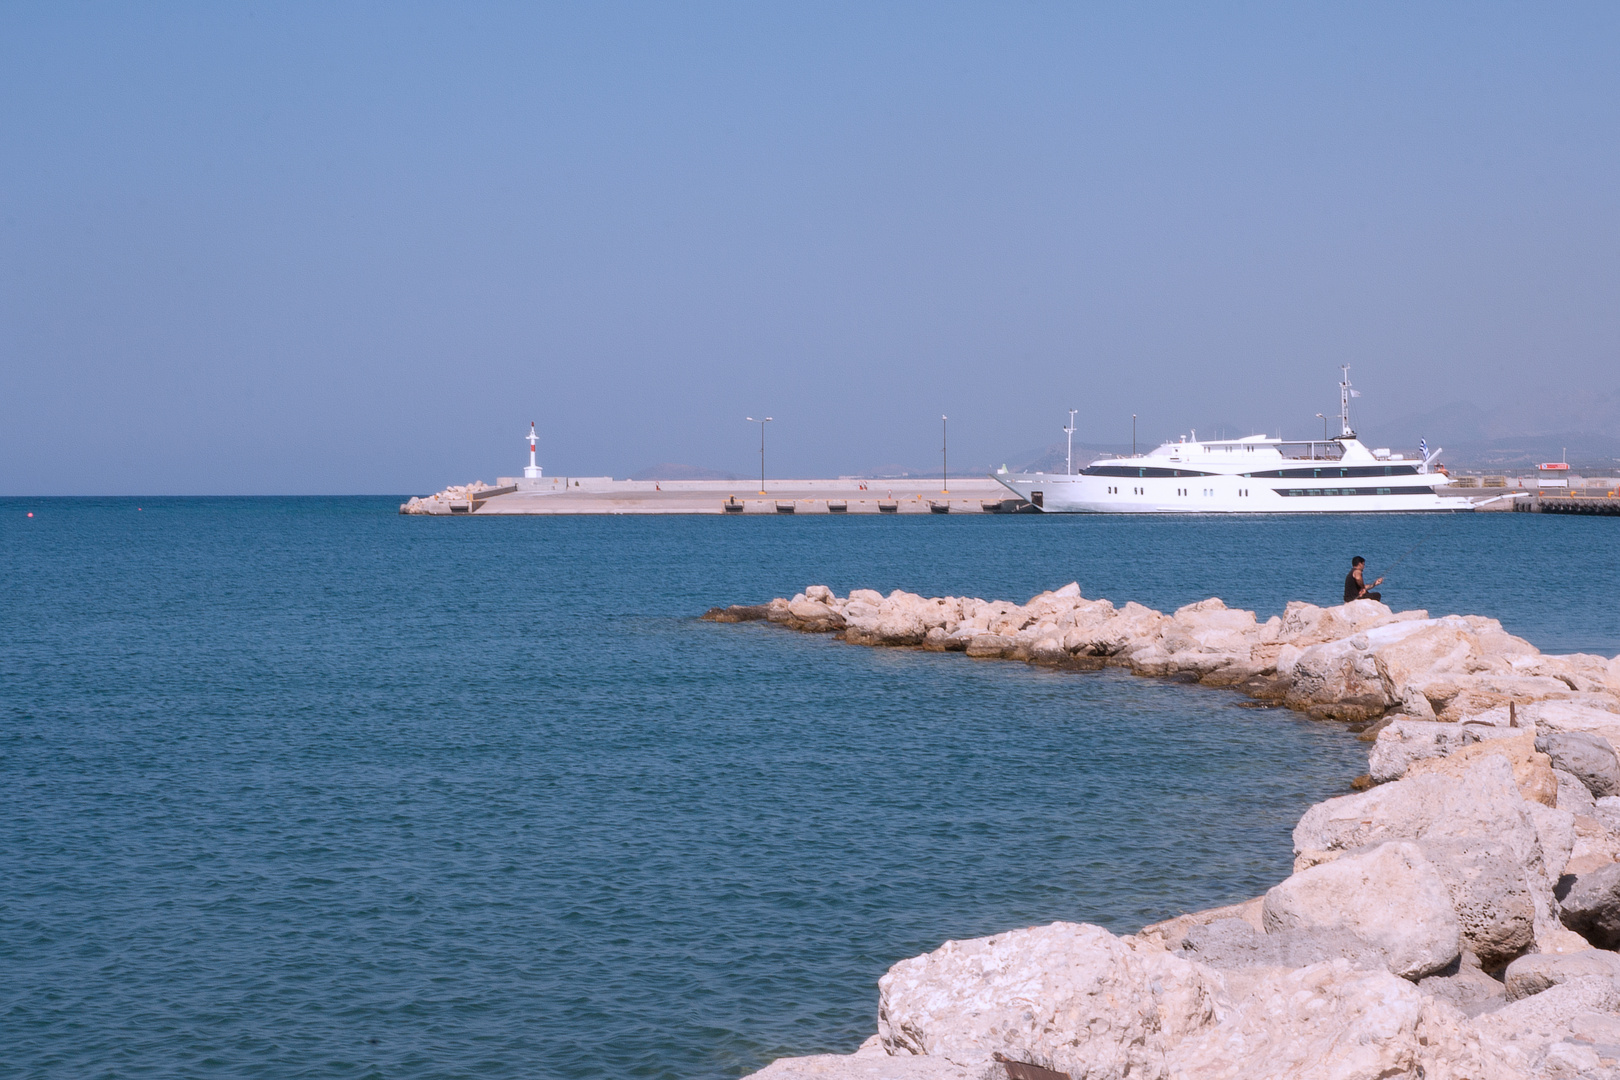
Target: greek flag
(1423, 448)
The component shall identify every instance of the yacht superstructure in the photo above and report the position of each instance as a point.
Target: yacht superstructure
(1253, 475)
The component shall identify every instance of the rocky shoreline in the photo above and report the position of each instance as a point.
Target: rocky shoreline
(1455, 918)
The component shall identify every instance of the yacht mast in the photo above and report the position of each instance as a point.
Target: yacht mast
(1345, 394)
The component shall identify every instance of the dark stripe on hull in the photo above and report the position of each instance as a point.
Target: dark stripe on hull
(1295, 493)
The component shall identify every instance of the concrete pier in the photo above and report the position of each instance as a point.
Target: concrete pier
(601, 495)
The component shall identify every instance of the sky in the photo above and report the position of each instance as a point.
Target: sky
(357, 248)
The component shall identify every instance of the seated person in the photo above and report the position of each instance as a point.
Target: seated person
(1354, 587)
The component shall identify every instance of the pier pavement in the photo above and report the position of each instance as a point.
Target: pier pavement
(599, 495)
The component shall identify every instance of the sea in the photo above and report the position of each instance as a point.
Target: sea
(299, 787)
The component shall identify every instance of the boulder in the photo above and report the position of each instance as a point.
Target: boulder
(1148, 659)
(989, 646)
(1171, 933)
(1470, 991)
(1548, 1034)
(900, 627)
(1426, 649)
(1590, 905)
(1403, 741)
(1594, 845)
(1235, 673)
(1390, 896)
(865, 1066)
(1547, 717)
(1586, 756)
(1337, 680)
(1211, 625)
(819, 593)
(1048, 650)
(1331, 1022)
(1607, 810)
(1482, 801)
(1555, 833)
(1236, 943)
(1068, 997)
(1542, 971)
(1202, 663)
(1361, 613)
(813, 615)
(1492, 642)
(1287, 656)
(1490, 894)
(1532, 771)
(1299, 620)
(1574, 796)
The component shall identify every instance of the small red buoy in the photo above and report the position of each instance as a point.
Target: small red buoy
(30, 513)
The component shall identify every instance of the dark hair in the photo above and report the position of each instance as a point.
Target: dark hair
(1358, 561)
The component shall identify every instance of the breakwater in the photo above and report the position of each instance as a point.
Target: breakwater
(1456, 918)
(604, 495)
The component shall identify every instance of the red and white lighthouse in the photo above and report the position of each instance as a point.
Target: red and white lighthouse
(532, 471)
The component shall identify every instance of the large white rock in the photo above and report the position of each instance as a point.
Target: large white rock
(1337, 679)
(1490, 894)
(1067, 996)
(1482, 801)
(1331, 1022)
(1212, 626)
(859, 1066)
(1424, 649)
(1542, 971)
(1574, 796)
(1585, 754)
(1549, 1034)
(1391, 897)
(1401, 742)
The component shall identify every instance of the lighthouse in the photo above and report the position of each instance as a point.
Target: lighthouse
(532, 471)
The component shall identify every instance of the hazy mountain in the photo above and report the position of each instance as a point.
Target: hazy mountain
(1053, 458)
(1536, 426)
(669, 471)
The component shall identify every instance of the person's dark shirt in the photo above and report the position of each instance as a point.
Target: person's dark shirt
(1352, 587)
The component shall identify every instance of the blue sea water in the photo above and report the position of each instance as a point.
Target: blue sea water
(302, 788)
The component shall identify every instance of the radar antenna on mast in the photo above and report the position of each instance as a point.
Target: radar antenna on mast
(1345, 394)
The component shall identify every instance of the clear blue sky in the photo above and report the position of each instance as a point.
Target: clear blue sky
(358, 247)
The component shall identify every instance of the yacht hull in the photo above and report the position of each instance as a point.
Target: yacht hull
(1078, 494)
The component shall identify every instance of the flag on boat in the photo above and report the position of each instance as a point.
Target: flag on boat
(1423, 448)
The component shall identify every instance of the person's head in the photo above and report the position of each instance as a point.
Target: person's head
(1357, 563)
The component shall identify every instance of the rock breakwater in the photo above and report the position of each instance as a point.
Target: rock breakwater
(1454, 919)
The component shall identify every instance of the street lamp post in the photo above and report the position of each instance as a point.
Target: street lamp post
(1069, 431)
(1133, 434)
(761, 424)
(1322, 418)
(945, 455)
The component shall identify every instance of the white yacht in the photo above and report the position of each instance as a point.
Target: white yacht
(1253, 475)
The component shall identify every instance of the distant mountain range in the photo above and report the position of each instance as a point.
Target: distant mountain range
(671, 471)
(1579, 426)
